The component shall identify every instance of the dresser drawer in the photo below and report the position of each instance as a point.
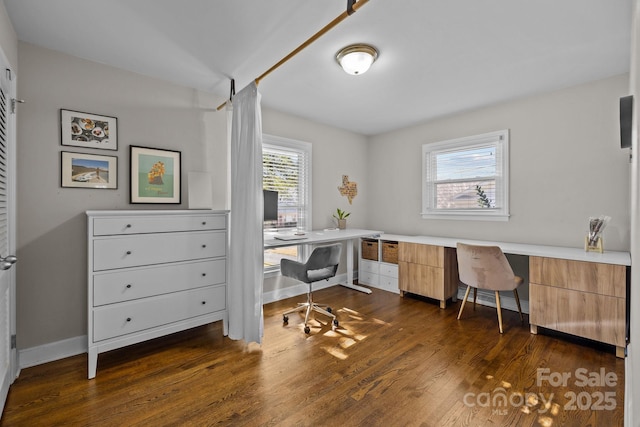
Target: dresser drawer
(131, 251)
(156, 224)
(389, 270)
(368, 267)
(368, 278)
(388, 283)
(125, 318)
(129, 284)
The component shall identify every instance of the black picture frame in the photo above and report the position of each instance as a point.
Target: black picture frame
(87, 130)
(155, 175)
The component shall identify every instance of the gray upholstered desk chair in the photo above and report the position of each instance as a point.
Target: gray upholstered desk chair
(321, 265)
(486, 267)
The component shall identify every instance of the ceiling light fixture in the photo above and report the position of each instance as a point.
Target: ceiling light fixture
(356, 58)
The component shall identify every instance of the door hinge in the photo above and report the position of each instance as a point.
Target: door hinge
(9, 76)
(13, 341)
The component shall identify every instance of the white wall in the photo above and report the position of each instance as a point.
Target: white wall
(8, 38)
(566, 165)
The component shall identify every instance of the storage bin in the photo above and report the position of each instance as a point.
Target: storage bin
(370, 249)
(390, 252)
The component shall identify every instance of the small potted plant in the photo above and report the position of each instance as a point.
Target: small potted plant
(341, 216)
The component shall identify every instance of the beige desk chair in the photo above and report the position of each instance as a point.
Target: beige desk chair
(321, 265)
(486, 267)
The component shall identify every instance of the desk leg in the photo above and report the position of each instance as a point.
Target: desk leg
(349, 283)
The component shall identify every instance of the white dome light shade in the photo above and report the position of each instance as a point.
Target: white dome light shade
(356, 59)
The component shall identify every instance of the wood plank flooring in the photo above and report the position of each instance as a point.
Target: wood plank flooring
(393, 362)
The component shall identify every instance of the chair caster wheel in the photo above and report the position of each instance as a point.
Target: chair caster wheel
(307, 329)
(285, 319)
(329, 309)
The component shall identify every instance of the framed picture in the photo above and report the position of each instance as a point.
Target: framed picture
(82, 170)
(88, 130)
(155, 175)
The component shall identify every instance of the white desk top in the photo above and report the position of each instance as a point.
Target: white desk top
(575, 254)
(318, 236)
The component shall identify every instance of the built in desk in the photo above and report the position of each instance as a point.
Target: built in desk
(570, 290)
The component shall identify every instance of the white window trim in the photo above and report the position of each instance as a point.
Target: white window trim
(498, 214)
(277, 142)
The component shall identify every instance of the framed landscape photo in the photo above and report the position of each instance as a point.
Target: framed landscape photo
(155, 175)
(82, 170)
(88, 130)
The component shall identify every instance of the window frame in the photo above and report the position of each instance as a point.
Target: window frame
(497, 139)
(270, 142)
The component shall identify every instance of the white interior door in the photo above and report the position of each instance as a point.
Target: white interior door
(8, 353)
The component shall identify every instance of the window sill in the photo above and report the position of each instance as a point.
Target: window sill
(472, 216)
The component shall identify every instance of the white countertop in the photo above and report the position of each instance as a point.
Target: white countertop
(318, 236)
(575, 254)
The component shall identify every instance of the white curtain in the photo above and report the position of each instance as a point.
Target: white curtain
(246, 253)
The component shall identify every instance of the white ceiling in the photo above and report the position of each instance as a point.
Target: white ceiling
(437, 57)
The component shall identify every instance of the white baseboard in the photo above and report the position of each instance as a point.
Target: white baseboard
(488, 298)
(52, 351)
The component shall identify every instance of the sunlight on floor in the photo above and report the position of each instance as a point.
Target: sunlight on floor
(346, 336)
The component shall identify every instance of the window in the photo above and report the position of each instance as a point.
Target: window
(467, 178)
(287, 170)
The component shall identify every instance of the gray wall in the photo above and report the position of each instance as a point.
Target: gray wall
(8, 38)
(51, 275)
(566, 165)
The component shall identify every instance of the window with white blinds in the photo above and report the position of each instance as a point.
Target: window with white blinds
(286, 168)
(467, 178)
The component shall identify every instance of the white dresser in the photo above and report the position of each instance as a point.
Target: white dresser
(153, 273)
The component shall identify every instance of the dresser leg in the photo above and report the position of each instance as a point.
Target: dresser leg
(443, 304)
(93, 362)
(533, 329)
(620, 352)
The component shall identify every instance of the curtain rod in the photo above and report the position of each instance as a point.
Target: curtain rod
(352, 7)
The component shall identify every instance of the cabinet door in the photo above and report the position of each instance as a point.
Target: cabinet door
(602, 279)
(588, 315)
(421, 254)
(421, 279)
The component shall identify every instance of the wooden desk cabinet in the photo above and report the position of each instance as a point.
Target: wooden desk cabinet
(586, 299)
(428, 270)
(152, 273)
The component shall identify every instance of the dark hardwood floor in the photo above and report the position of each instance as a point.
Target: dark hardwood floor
(393, 362)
